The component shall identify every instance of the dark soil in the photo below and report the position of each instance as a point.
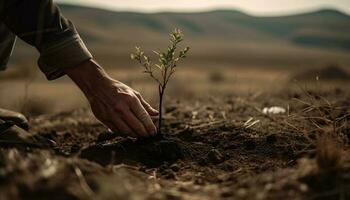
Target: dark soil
(151, 152)
(207, 151)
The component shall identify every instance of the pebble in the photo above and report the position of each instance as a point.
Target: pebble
(271, 139)
(214, 156)
(250, 144)
(175, 167)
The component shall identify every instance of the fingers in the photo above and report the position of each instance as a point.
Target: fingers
(124, 120)
(144, 117)
(129, 114)
(135, 123)
(123, 127)
(111, 127)
(145, 104)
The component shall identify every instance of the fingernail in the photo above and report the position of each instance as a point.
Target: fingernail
(156, 111)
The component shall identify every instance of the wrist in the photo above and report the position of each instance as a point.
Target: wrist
(87, 76)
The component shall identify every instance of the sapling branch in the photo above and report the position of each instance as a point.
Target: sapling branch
(166, 66)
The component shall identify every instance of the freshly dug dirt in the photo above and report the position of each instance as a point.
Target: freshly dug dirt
(150, 152)
(210, 149)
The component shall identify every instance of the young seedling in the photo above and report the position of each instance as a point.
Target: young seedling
(164, 68)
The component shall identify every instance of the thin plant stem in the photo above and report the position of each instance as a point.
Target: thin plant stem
(161, 92)
(167, 64)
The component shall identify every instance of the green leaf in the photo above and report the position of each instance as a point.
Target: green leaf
(158, 66)
(156, 52)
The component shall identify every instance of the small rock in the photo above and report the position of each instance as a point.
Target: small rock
(274, 110)
(170, 108)
(250, 144)
(271, 139)
(226, 127)
(172, 196)
(51, 143)
(105, 136)
(168, 174)
(67, 135)
(75, 148)
(52, 135)
(226, 165)
(303, 187)
(187, 134)
(199, 181)
(175, 167)
(183, 189)
(242, 192)
(214, 156)
(227, 193)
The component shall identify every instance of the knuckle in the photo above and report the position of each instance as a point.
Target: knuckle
(137, 93)
(133, 100)
(127, 94)
(119, 108)
(129, 98)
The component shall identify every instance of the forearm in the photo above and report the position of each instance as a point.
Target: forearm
(87, 76)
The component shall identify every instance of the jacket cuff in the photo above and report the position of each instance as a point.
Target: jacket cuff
(66, 54)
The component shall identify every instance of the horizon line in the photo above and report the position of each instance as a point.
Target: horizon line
(270, 14)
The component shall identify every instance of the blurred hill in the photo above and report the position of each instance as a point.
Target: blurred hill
(324, 28)
(329, 73)
(217, 38)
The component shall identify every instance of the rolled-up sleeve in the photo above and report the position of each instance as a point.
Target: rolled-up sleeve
(65, 54)
(41, 24)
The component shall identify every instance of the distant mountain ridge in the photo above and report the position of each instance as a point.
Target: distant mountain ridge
(324, 28)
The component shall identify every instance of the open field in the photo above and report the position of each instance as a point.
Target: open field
(217, 142)
(38, 96)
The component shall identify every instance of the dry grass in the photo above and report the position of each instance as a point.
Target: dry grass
(189, 82)
(328, 153)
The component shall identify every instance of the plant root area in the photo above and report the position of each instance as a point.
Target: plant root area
(213, 148)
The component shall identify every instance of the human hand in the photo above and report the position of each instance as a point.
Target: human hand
(116, 105)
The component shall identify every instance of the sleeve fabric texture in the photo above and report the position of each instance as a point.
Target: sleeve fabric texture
(7, 41)
(40, 24)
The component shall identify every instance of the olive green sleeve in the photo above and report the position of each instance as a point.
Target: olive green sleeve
(65, 54)
(7, 41)
(41, 24)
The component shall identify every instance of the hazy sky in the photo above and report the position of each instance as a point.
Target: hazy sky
(257, 7)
